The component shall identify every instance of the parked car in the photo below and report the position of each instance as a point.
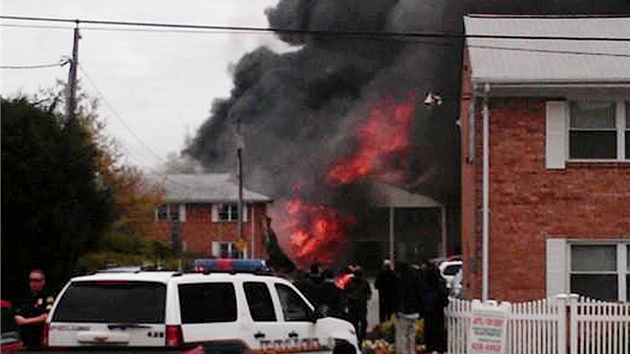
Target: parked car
(214, 311)
(11, 341)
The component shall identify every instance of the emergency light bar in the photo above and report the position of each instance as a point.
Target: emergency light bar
(231, 266)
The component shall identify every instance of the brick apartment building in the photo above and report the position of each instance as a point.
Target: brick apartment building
(546, 158)
(201, 215)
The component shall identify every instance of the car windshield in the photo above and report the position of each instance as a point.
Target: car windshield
(112, 302)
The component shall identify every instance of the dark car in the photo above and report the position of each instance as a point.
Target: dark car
(10, 338)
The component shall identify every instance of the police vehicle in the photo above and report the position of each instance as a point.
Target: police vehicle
(217, 310)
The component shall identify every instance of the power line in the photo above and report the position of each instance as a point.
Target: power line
(61, 63)
(315, 32)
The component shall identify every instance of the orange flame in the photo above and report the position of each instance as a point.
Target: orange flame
(318, 232)
(385, 134)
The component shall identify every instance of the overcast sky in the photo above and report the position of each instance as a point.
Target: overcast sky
(155, 85)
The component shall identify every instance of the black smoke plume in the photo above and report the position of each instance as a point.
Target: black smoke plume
(299, 110)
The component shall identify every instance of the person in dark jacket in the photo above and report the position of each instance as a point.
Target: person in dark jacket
(358, 292)
(31, 315)
(386, 285)
(309, 284)
(434, 300)
(409, 289)
(332, 298)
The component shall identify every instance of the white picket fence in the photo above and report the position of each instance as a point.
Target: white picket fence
(564, 324)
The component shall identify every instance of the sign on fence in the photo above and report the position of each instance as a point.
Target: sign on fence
(488, 328)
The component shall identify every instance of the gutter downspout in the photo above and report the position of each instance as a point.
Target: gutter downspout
(486, 196)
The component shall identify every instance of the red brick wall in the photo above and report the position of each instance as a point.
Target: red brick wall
(529, 203)
(198, 231)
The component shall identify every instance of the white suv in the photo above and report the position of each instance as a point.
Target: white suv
(216, 312)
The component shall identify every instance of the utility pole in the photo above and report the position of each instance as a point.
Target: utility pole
(239, 171)
(72, 76)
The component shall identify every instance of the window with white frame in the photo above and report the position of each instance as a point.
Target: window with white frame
(170, 212)
(599, 270)
(227, 212)
(593, 130)
(587, 130)
(227, 250)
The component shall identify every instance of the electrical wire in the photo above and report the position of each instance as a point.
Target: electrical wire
(314, 32)
(61, 63)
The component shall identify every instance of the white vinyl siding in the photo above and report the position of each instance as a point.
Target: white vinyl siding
(556, 134)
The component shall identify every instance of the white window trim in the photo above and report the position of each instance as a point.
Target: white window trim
(557, 138)
(217, 206)
(558, 272)
(181, 209)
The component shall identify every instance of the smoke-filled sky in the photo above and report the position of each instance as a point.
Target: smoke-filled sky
(299, 111)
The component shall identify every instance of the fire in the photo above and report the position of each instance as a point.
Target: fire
(382, 138)
(316, 232)
(319, 232)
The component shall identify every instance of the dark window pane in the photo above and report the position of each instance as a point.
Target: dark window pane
(293, 307)
(593, 144)
(601, 287)
(162, 212)
(132, 302)
(209, 302)
(259, 302)
(585, 258)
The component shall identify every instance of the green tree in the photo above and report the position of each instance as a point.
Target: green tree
(54, 207)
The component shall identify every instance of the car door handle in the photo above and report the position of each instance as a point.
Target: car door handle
(293, 335)
(259, 335)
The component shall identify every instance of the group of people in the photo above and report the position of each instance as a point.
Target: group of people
(414, 292)
(409, 292)
(345, 296)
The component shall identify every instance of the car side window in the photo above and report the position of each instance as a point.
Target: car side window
(259, 302)
(293, 307)
(207, 302)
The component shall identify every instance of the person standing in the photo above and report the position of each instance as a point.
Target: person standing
(410, 290)
(31, 315)
(434, 300)
(386, 285)
(331, 297)
(358, 292)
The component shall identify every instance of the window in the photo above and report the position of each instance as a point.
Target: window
(259, 302)
(207, 303)
(119, 302)
(596, 270)
(170, 212)
(227, 212)
(586, 130)
(227, 250)
(293, 307)
(594, 130)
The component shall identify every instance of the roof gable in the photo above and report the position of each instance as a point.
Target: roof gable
(548, 61)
